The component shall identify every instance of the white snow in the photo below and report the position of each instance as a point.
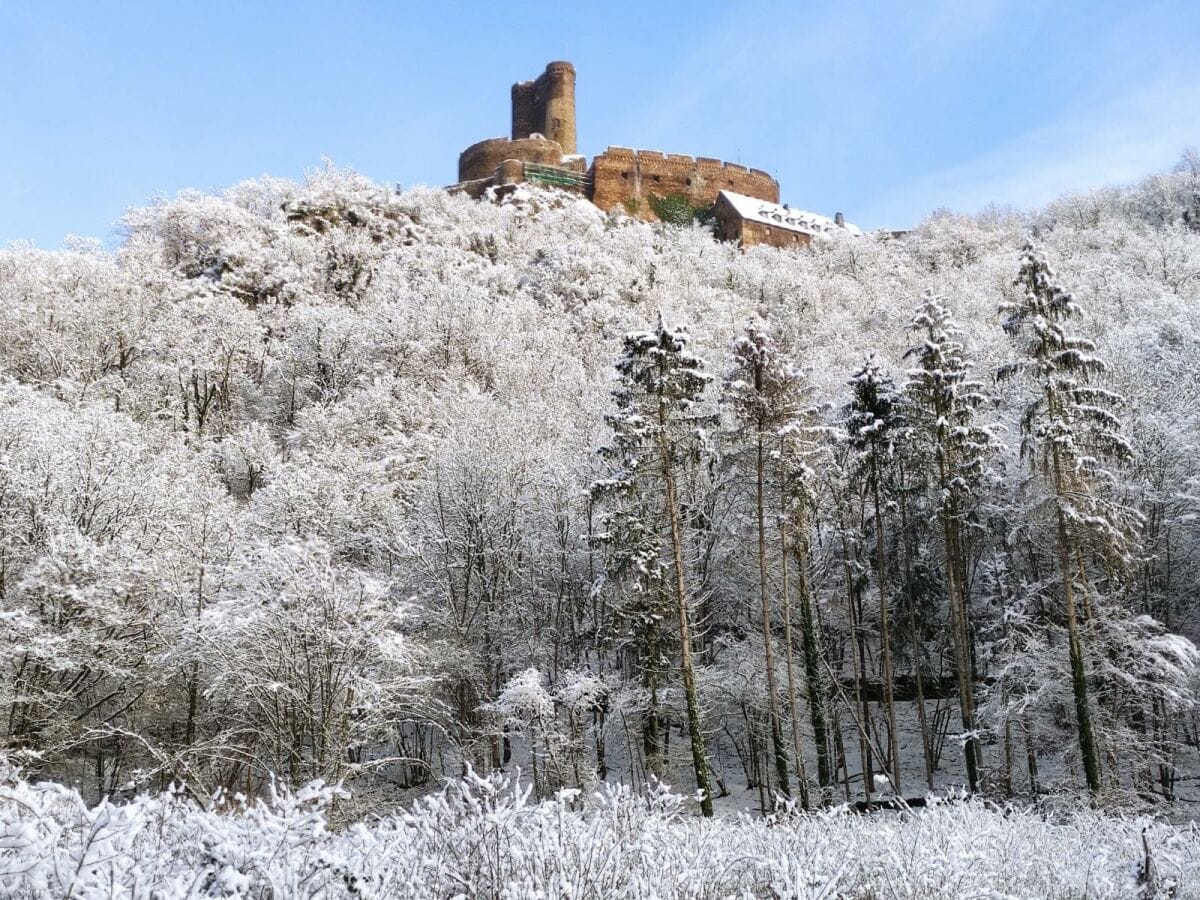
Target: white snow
(485, 837)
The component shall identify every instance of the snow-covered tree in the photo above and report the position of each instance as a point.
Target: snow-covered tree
(412, 384)
(1070, 434)
(658, 434)
(942, 403)
(762, 396)
(873, 421)
(311, 665)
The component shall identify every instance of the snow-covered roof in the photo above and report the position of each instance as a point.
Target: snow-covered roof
(780, 216)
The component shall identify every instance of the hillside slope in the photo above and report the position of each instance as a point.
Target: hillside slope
(296, 482)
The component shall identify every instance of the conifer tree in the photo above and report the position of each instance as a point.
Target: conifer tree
(798, 440)
(659, 434)
(1070, 433)
(753, 393)
(873, 422)
(764, 393)
(942, 402)
(631, 540)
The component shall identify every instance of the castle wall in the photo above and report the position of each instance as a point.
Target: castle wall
(480, 160)
(629, 178)
(619, 177)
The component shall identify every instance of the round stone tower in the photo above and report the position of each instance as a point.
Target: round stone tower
(557, 90)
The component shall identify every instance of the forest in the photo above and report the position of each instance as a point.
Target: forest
(329, 501)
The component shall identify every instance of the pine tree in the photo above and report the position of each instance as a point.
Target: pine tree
(631, 539)
(760, 393)
(1070, 433)
(844, 524)
(659, 435)
(872, 422)
(798, 440)
(942, 402)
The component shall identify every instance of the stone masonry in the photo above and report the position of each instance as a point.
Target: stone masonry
(632, 179)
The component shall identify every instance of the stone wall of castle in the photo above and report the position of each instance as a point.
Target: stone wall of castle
(480, 160)
(629, 179)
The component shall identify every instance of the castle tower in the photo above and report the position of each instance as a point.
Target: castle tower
(558, 111)
(547, 106)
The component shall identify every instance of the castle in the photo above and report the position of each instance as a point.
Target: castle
(647, 184)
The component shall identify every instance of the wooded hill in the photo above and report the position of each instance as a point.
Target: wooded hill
(330, 481)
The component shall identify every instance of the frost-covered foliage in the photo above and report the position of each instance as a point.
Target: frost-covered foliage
(487, 838)
(294, 485)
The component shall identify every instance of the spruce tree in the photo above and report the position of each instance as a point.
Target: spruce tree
(631, 540)
(873, 422)
(1070, 433)
(942, 404)
(755, 390)
(799, 440)
(658, 437)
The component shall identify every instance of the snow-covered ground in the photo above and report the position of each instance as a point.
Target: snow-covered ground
(479, 838)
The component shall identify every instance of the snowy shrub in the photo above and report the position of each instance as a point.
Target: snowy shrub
(483, 837)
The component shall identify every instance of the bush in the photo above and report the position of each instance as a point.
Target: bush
(482, 837)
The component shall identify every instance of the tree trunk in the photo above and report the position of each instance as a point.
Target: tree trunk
(781, 761)
(699, 760)
(791, 671)
(885, 639)
(959, 633)
(817, 703)
(1083, 713)
(914, 636)
(860, 696)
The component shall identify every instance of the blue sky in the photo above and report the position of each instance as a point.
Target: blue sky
(885, 111)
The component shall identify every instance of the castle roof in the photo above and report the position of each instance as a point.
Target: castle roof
(779, 216)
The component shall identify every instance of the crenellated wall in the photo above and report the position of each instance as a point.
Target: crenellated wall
(629, 178)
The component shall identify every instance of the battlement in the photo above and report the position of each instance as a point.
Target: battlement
(635, 179)
(703, 162)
